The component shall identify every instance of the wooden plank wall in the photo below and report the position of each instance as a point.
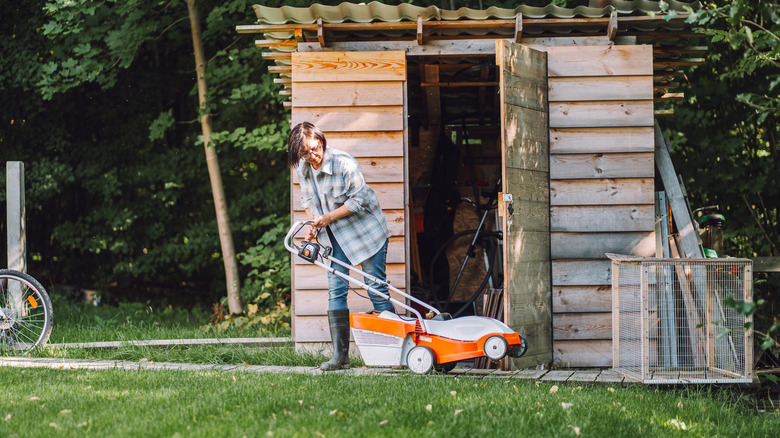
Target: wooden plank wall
(357, 100)
(601, 187)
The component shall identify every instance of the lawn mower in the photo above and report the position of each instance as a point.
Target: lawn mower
(389, 339)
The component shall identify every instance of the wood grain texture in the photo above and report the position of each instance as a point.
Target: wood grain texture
(601, 140)
(595, 245)
(578, 326)
(368, 144)
(573, 89)
(599, 165)
(348, 66)
(526, 175)
(598, 218)
(581, 272)
(351, 119)
(573, 299)
(629, 60)
(601, 114)
(601, 191)
(585, 353)
(315, 94)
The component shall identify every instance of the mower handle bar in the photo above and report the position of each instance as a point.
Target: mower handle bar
(288, 243)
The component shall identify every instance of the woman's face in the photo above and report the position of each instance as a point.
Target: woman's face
(313, 153)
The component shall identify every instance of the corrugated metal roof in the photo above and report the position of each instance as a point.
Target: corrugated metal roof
(380, 12)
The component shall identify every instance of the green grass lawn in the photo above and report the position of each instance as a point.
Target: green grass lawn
(79, 322)
(43, 402)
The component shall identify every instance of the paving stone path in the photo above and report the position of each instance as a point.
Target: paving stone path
(579, 376)
(463, 368)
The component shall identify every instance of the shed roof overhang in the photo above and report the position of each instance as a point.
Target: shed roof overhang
(412, 28)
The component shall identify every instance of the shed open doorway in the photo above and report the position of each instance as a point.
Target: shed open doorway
(478, 163)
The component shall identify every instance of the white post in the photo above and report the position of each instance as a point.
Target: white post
(17, 248)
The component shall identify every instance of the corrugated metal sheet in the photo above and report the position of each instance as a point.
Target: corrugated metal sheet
(380, 12)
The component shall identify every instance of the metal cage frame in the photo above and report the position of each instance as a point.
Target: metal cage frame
(670, 324)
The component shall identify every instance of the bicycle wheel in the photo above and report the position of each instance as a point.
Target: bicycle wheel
(25, 313)
(470, 267)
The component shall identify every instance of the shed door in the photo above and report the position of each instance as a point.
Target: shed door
(526, 219)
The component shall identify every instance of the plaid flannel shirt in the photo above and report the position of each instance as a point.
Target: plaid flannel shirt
(360, 234)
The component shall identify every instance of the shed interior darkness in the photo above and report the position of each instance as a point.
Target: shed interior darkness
(454, 153)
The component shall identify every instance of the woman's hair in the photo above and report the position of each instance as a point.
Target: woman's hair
(298, 136)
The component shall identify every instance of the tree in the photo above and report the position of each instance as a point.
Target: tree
(223, 220)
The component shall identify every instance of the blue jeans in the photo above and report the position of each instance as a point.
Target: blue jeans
(374, 265)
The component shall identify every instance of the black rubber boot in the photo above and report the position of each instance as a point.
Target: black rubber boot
(338, 320)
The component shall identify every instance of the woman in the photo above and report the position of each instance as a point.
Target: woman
(336, 197)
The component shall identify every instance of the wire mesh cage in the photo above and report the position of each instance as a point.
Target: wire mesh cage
(670, 323)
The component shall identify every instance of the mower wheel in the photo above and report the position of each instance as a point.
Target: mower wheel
(496, 347)
(519, 350)
(420, 359)
(445, 367)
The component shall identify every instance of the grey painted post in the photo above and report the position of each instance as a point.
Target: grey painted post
(17, 248)
(17, 239)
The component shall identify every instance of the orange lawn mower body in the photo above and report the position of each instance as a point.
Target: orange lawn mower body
(389, 339)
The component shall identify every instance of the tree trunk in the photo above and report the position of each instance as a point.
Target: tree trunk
(223, 221)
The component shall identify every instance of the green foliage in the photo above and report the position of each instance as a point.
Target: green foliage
(725, 136)
(766, 340)
(118, 196)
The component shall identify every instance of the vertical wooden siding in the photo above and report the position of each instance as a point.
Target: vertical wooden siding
(357, 99)
(525, 174)
(601, 187)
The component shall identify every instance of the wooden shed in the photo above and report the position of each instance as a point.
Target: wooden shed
(559, 103)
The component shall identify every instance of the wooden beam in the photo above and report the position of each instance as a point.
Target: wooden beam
(276, 43)
(670, 96)
(298, 33)
(464, 47)
(693, 50)
(282, 81)
(612, 27)
(458, 84)
(280, 68)
(685, 228)
(678, 63)
(518, 27)
(532, 23)
(320, 32)
(419, 30)
(766, 264)
(432, 95)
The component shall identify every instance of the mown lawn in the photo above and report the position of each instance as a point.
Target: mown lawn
(43, 402)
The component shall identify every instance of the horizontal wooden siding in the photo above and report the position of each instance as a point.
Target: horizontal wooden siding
(601, 187)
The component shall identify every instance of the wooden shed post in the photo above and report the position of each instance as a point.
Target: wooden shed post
(17, 239)
(15, 215)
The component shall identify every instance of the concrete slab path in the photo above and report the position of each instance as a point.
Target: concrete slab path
(575, 376)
